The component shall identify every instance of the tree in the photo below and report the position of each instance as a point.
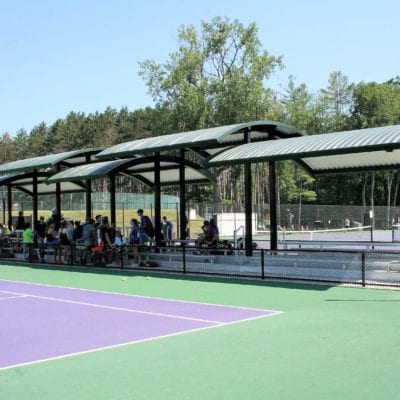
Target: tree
(337, 98)
(217, 76)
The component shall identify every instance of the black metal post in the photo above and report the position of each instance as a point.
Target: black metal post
(157, 199)
(34, 203)
(262, 264)
(112, 199)
(88, 194)
(273, 190)
(363, 269)
(4, 212)
(9, 203)
(248, 202)
(58, 193)
(184, 257)
(182, 196)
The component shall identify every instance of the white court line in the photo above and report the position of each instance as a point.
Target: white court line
(135, 342)
(12, 297)
(139, 296)
(81, 303)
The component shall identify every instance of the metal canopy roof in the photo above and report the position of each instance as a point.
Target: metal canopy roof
(141, 169)
(362, 149)
(23, 182)
(204, 138)
(69, 158)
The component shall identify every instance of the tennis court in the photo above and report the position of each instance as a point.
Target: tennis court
(87, 334)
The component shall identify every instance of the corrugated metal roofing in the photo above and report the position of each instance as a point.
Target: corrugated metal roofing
(88, 171)
(46, 161)
(24, 182)
(199, 138)
(138, 168)
(362, 148)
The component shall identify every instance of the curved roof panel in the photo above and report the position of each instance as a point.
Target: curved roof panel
(141, 169)
(70, 157)
(330, 152)
(203, 138)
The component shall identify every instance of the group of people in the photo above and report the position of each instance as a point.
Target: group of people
(96, 237)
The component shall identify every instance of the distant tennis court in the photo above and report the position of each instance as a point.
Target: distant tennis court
(69, 333)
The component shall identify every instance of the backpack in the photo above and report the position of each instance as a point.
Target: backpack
(149, 228)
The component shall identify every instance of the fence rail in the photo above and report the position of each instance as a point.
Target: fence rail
(356, 267)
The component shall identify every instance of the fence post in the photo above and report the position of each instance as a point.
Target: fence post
(262, 264)
(184, 257)
(363, 269)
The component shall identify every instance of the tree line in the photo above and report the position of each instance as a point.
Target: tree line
(219, 75)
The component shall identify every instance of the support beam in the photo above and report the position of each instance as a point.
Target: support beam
(88, 194)
(9, 204)
(248, 202)
(273, 190)
(58, 193)
(182, 197)
(112, 199)
(157, 199)
(35, 203)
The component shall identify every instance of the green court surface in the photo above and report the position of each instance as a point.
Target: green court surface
(329, 343)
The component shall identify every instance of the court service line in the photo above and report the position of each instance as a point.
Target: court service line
(116, 308)
(139, 296)
(115, 346)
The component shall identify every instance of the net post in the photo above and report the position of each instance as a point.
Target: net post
(363, 269)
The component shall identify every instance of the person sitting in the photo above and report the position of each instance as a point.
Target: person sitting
(118, 248)
(209, 236)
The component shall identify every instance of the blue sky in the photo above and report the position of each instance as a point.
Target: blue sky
(61, 56)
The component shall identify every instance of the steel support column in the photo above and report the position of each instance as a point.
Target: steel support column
(34, 203)
(58, 193)
(112, 199)
(273, 190)
(248, 203)
(88, 194)
(9, 204)
(182, 197)
(157, 199)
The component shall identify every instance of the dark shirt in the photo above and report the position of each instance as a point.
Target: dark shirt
(20, 225)
(41, 230)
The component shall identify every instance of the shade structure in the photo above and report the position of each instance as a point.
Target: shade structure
(210, 140)
(24, 183)
(65, 159)
(140, 168)
(356, 150)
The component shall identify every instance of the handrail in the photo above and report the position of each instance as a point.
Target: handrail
(241, 227)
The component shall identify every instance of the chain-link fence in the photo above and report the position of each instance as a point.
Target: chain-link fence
(332, 267)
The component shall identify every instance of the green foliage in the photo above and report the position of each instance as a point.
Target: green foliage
(219, 75)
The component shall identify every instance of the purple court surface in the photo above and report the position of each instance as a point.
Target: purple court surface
(40, 322)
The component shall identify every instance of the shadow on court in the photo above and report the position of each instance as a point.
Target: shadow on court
(177, 276)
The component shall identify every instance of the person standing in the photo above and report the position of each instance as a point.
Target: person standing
(146, 230)
(167, 228)
(40, 231)
(27, 237)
